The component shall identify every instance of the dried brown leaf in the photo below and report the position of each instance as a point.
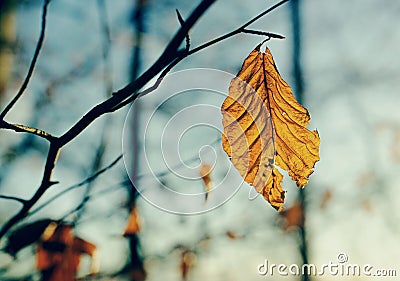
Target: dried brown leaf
(58, 254)
(265, 126)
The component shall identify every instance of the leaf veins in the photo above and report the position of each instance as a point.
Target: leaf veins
(265, 126)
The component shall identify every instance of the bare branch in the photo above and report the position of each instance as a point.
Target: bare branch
(148, 90)
(169, 58)
(168, 55)
(241, 29)
(46, 183)
(93, 177)
(25, 129)
(181, 21)
(75, 186)
(238, 30)
(13, 198)
(33, 62)
(263, 33)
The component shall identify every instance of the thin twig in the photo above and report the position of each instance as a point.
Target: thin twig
(95, 166)
(181, 21)
(148, 90)
(263, 33)
(238, 30)
(46, 183)
(186, 53)
(33, 62)
(170, 53)
(93, 177)
(25, 129)
(20, 200)
(80, 184)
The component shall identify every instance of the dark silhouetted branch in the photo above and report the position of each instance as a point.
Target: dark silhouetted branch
(13, 198)
(46, 183)
(33, 62)
(181, 21)
(86, 181)
(170, 53)
(263, 33)
(183, 54)
(25, 129)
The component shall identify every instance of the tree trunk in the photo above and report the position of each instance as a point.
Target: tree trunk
(136, 261)
(299, 92)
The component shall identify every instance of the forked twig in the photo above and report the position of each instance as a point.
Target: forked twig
(185, 53)
(84, 182)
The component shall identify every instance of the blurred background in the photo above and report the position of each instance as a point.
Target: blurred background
(347, 60)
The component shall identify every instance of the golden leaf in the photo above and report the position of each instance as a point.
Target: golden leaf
(265, 126)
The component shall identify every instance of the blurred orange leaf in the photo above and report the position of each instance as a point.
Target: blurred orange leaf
(231, 235)
(293, 217)
(367, 205)
(58, 255)
(188, 259)
(366, 178)
(326, 197)
(133, 225)
(264, 125)
(395, 129)
(234, 235)
(205, 172)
